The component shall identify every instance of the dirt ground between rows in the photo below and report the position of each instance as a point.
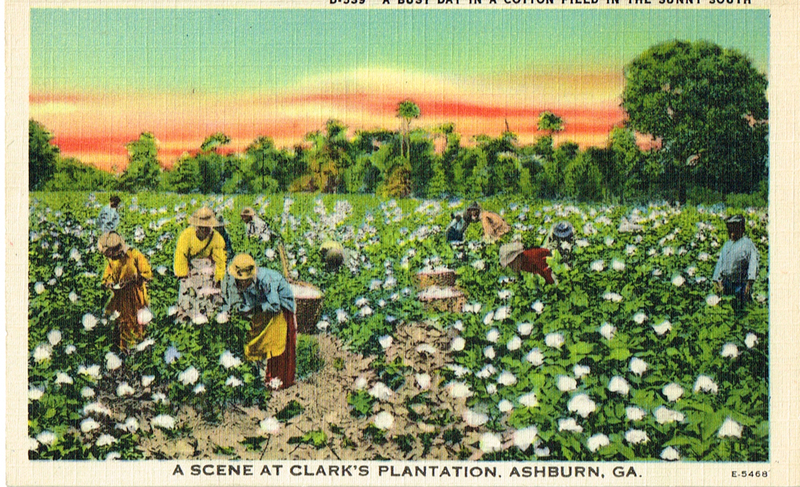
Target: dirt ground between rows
(324, 399)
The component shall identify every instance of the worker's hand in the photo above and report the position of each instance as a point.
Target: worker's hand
(747, 288)
(718, 286)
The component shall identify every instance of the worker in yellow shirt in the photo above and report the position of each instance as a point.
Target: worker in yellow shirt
(200, 260)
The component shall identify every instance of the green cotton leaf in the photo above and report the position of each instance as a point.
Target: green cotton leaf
(580, 348)
(619, 354)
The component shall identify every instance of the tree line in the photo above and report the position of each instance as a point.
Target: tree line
(704, 109)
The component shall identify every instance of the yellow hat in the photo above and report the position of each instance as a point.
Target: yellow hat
(111, 240)
(203, 217)
(243, 267)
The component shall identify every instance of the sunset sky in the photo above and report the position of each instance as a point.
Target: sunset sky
(100, 77)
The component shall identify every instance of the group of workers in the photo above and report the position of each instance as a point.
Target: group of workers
(211, 281)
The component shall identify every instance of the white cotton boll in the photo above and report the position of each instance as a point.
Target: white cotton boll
(488, 352)
(479, 264)
(670, 454)
(161, 270)
(491, 442)
(233, 381)
(159, 397)
(729, 350)
(164, 421)
(493, 335)
(504, 294)
(662, 328)
(528, 400)
(270, 425)
(506, 378)
(459, 390)
(514, 344)
(59, 271)
(673, 391)
(664, 415)
(199, 389)
(62, 378)
(89, 424)
(92, 371)
(229, 360)
(598, 265)
(751, 340)
(613, 297)
(125, 390)
(554, 340)
(458, 325)
(45, 438)
(33, 445)
(487, 371)
(423, 380)
(634, 437)
(678, 281)
(172, 310)
(457, 344)
(630, 249)
(383, 420)
(131, 425)
(113, 361)
(97, 408)
(487, 320)
(566, 383)
(73, 297)
(634, 413)
(380, 391)
(105, 440)
(38, 287)
(144, 316)
(42, 352)
(597, 441)
(580, 370)
(535, 357)
(618, 265)
(189, 376)
(657, 272)
(524, 329)
(713, 300)
(491, 389)
(459, 370)
(275, 383)
(619, 385)
(35, 393)
(54, 337)
(638, 366)
(608, 330)
(70, 349)
(89, 321)
(426, 349)
(222, 317)
(365, 311)
(502, 313)
(171, 354)
(581, 404)
(360, 383)
(639, 318)
(524, 438)
(505, 406)
(87, 392)
(199, 319)
(385, 341)
(538, 306)
(474, 419)
(730, 428)
(569, 424)
(142, 346)
(704, 383)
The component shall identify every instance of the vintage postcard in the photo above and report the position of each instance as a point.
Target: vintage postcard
(385, 242)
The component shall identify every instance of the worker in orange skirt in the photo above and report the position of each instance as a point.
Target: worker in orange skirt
(266, 297)
(126, 274)
(534, 260)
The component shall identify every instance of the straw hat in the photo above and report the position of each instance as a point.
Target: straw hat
(203, 217)
(243, 266)
(248, 212)
(509, 252)
(111, 241)
(735, 220)
(563, 229)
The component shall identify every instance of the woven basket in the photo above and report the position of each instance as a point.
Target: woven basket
(308, 309)
(452, 303)
(441, 278)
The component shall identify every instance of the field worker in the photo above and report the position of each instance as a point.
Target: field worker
(108, 219)
(737, 267)
(561, 238)
(227, 238)
(333, 255)
(126, 274)
(493, 224)
(254, 226)
(454, 233)
(266, 297)
(532, 260)
(200, 260)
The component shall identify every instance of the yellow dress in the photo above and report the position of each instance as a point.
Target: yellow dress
(127, 275)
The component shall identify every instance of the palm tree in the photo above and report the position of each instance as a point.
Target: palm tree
(407, 110)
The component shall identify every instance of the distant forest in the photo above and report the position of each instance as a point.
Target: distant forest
(703, 107)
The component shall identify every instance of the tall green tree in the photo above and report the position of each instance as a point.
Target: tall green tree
(550, 122)
(407, 111)
(42, 155)
(707, 107)
(144, 170)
